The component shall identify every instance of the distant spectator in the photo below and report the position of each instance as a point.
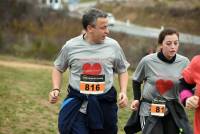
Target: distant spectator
(150, 51)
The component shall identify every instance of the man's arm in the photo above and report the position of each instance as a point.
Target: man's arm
(123, 81)
(56, 83)
(56, 79)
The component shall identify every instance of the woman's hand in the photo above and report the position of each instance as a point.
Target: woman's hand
(135, 105)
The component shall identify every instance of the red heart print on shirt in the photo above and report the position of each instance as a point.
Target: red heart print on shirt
(164, 85)
(91, 69)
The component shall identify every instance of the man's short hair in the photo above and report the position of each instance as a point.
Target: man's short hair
(91, 16)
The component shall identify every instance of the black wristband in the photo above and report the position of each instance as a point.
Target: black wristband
(56, 89)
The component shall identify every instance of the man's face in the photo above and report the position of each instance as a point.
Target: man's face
(100, 30)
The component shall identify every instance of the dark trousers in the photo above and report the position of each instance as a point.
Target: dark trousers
(101, 113)
(80, 127)
(165, 125)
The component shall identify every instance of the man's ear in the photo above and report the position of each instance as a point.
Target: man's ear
(89, 28)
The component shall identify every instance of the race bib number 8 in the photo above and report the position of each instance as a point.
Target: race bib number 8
(158, 109)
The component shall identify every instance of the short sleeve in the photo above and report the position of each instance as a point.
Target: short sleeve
(187, 62)
(139, 73)
(121, 64)
(61, 62)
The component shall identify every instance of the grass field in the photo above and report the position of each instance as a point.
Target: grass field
(24, 107)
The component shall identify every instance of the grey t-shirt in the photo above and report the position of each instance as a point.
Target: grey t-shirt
(160, 78)
(99, 61)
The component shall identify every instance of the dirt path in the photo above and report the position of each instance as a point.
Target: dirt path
(17, 64)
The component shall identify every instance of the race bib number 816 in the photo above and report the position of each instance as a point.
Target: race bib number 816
(92, 84)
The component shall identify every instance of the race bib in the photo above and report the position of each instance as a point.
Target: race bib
(92, 84)
(158, 109)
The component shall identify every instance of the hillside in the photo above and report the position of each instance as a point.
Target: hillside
(180, 14)
(29, 31)
(24, 104)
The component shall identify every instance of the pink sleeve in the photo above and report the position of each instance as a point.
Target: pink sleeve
(184, 95)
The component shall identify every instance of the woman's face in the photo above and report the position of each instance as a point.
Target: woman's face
(170, 46)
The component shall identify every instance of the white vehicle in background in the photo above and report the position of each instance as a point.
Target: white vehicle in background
(111, 19)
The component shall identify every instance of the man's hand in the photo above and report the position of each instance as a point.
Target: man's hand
(135, 105)
(192, 102)
(53, 96)
(123, 100)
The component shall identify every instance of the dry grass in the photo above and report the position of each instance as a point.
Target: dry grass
(24, 101)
